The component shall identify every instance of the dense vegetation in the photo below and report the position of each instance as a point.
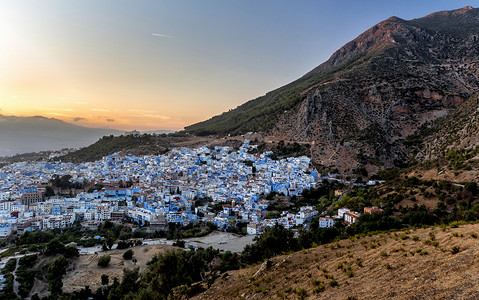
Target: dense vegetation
(143, 144)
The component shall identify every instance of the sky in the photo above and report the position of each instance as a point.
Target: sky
(150, 65)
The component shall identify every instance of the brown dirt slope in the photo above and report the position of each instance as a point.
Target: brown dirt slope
(85, 270)
(416, 264)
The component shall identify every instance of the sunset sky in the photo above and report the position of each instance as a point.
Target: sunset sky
(167, 64)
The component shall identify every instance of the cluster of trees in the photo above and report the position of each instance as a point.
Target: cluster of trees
(107, 145)
(25, 276)
(177, 231)
(173, 271)
(7, 291)
(64, 182)
(291, 149)
(56, 270)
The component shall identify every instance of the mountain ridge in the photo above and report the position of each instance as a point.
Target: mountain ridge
(38, 133)
(359, 106)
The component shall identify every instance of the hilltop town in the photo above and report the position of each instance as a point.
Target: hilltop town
(218, 185)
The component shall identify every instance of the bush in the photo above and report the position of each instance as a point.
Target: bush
(71, 252)
(122, 245)
(302, 293)
(104, 260)
(128, 254)
(55, 247)
(333, 283)
(104, 279)
(455, 250)
(319, 288)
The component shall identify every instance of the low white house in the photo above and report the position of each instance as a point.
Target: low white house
(253, 228)
(342, 211)
(326, 222)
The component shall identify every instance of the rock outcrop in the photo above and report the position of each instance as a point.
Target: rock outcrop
(360, 105)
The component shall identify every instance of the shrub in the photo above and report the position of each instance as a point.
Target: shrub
(415, 238)
(128, 254)
(302, 293)
(359, 262)
(104, 260)
(104, 279)
(455, 250)
(473, 234)
(457, 234)
(122, 245)
(318, 289)
(316, 282)
(71, 252)
(333, 283)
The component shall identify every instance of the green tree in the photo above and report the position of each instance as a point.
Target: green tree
(104, 279)
(71, 252)
(104, 260)
(54, 247)
(56, 270)
(275, 240)
(110, 239)
(128, 254)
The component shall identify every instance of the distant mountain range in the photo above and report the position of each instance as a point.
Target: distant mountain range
(32, 134)
(377, 101)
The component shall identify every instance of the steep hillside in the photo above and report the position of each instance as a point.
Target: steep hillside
(142, 144)
(374, 92)
(431, 263)
(458, 130)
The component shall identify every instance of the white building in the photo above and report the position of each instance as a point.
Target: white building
(326, 222)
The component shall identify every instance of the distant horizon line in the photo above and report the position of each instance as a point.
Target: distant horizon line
(92, 126)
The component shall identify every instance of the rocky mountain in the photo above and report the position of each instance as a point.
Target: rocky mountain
(32, 134)
(360, 107)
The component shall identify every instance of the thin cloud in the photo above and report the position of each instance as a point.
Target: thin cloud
(141, 111)
(157, 116)
(57, 114)
(81, 102)
(78, 119)
(161, 35)
(110, 120)
(59, 109)
(99, 109)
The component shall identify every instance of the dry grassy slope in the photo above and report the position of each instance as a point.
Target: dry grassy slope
(85, 270)
(439, 274)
